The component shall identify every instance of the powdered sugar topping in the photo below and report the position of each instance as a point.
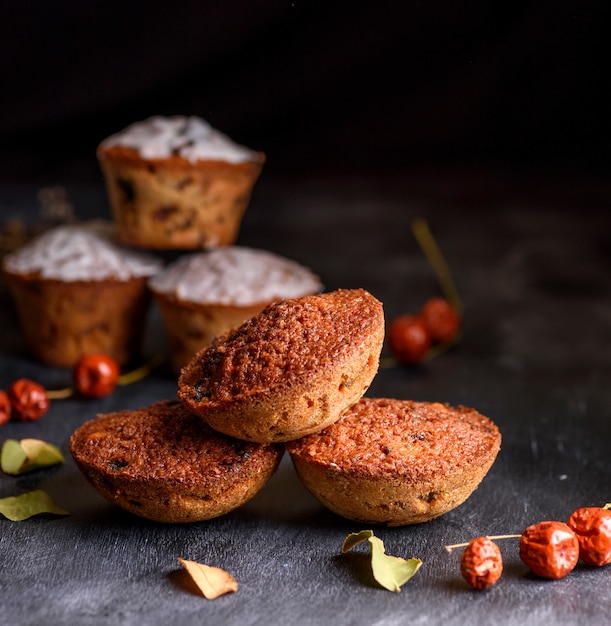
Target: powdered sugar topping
(235, 276)
(191, 138)
(86, 251)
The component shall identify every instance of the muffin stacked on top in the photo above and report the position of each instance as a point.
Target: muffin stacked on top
(176, 182)
(291, 370)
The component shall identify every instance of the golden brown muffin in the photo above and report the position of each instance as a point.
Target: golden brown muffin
(290, 370)
(205, 294)
(397, 462)
(177, 183)
(78, 291)
(165, 464)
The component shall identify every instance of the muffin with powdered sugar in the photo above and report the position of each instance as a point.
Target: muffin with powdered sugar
(78, 291)
(177, 183)
(205, 294)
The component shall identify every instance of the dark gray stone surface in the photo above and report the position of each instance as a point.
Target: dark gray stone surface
(534, 276)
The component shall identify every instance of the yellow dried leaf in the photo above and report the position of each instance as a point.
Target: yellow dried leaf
(211, 581)
(389, 571)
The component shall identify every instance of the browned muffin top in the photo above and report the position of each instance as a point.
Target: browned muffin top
(420, 441)
(284, 344)
(163, 442)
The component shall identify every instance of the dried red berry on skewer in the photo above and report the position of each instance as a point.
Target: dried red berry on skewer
(592, 525)
(481, 563)
(550, 549)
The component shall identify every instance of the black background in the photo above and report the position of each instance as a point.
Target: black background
(320, 85)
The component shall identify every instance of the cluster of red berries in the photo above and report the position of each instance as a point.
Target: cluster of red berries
(411, 336)
(95, 376)
(550, 549)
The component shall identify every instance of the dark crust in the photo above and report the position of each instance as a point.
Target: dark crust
(419, 442)
(166, 443)
(288, 343)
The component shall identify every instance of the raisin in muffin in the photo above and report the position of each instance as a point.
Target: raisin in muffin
(78, 291)
(165, 464)
(177, 183)
(205, 294)
(397, 462)
(289, 371)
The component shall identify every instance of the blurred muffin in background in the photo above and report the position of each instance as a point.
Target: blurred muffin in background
(177, 183)
(203, 295)
(77, 290)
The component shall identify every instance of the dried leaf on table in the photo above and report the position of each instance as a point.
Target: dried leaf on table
(19, 508)
(211, 581)
(389, 571)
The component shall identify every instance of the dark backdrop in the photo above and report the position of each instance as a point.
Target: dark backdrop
(319, 85)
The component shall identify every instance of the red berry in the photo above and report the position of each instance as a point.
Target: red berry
(441, 318)
(96, 375)
(5, 408)
(592, 525)
(409, 338)
(28, 399)
(550, 549)
(481, 564)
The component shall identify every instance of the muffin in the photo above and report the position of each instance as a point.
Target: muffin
(289, 371)
(205, 294)
(78, 291)
(177, 183)
(165, 464)
(397, 462)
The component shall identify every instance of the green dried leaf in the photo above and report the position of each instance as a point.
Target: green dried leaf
(18, 508)
(18, 457)
(389, 571)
